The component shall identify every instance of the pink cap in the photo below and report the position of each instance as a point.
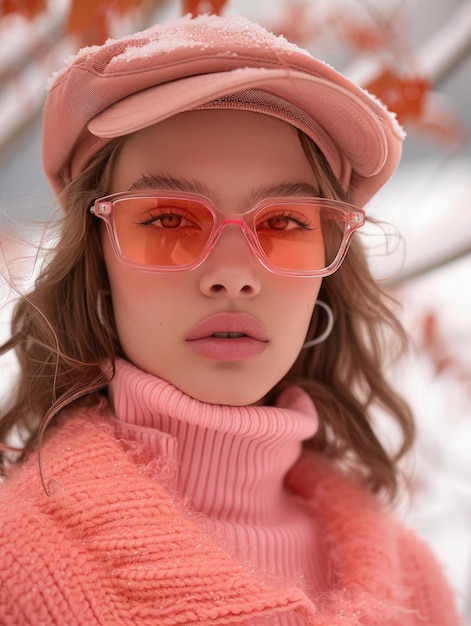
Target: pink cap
(215, 62)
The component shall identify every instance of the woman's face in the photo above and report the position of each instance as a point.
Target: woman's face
(175, 325)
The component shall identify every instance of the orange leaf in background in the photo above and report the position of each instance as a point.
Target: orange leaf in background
(362, 38)
(357, 34)
(434, 342)
(441, 119)
(27, 8)
(297, 24)
(88, 21)
(196, 7)
(406, 97)
(125, 6)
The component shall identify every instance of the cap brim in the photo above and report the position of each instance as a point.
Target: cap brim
(343, 123)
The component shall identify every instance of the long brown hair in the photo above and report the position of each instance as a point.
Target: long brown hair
(63, 339)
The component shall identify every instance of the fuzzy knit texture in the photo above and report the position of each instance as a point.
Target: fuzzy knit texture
(113, 544)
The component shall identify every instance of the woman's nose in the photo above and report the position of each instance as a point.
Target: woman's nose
(231, 269)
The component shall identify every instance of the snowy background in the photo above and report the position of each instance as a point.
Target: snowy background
(428, 202)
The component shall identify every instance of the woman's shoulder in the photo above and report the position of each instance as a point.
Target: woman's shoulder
(343, 506)
(370, 545)
(72, 442)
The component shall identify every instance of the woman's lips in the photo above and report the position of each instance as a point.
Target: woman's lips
(228, 337)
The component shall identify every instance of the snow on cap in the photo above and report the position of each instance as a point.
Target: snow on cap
(129, 84)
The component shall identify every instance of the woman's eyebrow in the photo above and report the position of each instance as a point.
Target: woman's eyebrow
(284, 189)
(170, 183)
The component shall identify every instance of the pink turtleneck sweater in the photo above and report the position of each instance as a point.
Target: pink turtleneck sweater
(229, 464)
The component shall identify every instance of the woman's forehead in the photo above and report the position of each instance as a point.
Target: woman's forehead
(207, 151)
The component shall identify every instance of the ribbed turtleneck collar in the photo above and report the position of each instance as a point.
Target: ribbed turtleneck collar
(252, 447)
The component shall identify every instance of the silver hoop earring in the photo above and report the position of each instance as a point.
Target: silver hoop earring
(100, 308)
(328, 329)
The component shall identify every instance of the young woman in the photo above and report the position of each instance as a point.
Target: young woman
(200, 356)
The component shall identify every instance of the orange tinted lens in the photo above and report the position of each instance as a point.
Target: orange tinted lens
(300, 236)
(162, 232)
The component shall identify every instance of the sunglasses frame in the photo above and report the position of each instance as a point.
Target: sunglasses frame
(355, 218)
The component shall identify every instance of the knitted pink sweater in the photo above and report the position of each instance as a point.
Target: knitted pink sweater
(113, 545)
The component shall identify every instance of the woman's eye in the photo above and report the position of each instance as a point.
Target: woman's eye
(167, 220)
(170, 221)
(284, 222)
